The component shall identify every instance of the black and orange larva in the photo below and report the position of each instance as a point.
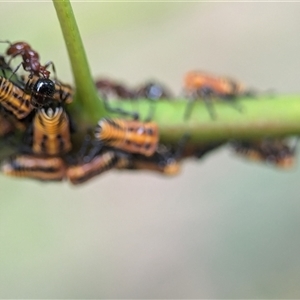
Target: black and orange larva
(84, 171)
(51, 132)
(131, 136)
(14, 99)
(40, 168)
(274, 151)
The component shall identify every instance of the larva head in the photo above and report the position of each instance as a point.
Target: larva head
(51, 113)
(99, 128)
(43, 91)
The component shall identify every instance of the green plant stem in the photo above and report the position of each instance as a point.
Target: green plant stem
(260, 117)
(86, 99)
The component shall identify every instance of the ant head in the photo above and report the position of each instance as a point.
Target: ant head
(17, 48)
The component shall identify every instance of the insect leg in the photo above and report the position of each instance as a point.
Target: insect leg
(48, 64)
(233, 101)
(117, 110)
(15, 71)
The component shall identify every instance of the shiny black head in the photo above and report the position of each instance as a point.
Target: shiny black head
(45, 87)
(43, 91)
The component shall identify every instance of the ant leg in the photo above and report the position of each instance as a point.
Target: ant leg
(97, 146)
(235, 104)
(210, 107)
(9, 43)
(82, 153)
(120, 111)
(87, 151)
(204, 94)
(152, 108)
(4, 73)
(126, 93)
(15, 70)
(26, 89)
(6, 42)
(207, 93)
(48, 64)
(4, 66)
(189, 108)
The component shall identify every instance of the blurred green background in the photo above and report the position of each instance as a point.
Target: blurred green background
(224, 228)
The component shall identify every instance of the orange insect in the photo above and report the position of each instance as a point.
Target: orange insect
(201, 85)
(131, 136)
(273, 151)
(14, 99)
(84, 171)
(51, 132)
(41, 168)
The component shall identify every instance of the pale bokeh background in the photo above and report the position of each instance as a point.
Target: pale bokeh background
(224, 228)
